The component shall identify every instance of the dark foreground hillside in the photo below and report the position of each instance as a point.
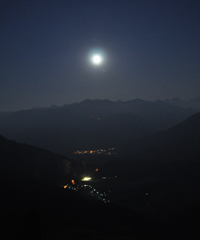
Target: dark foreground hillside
(32, 210)
(33, 162)
(155, 195)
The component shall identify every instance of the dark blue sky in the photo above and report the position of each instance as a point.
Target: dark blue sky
(151, 51)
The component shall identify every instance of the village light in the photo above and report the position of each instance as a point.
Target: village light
(86, 179)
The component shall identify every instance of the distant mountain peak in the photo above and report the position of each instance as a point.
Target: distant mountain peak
(193, 103)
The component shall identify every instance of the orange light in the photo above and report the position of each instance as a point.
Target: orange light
(90, 152)
(97, 170)
(73, 182)
(65, 186)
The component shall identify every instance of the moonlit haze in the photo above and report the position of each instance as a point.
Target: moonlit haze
(60, 52)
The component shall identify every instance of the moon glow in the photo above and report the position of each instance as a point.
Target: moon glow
(97, 59)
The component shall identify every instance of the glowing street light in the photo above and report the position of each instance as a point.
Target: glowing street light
(86, 179)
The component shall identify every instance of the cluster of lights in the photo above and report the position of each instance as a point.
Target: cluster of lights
(98, 151)
(93, 191)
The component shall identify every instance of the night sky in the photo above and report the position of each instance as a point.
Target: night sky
(150, 50)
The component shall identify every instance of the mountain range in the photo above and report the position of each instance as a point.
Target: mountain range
(158, 170)
(193, 103)
(178, 145)
(91, 124)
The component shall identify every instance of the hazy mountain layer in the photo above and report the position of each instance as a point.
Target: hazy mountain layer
(193, 103)
(90, 124)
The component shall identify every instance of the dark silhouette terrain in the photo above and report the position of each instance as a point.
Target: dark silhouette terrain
(34, 210)
(34, 163)
(91, 124)
(179, 143)
(155, 195)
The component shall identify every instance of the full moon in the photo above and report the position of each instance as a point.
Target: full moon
(96, 59)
